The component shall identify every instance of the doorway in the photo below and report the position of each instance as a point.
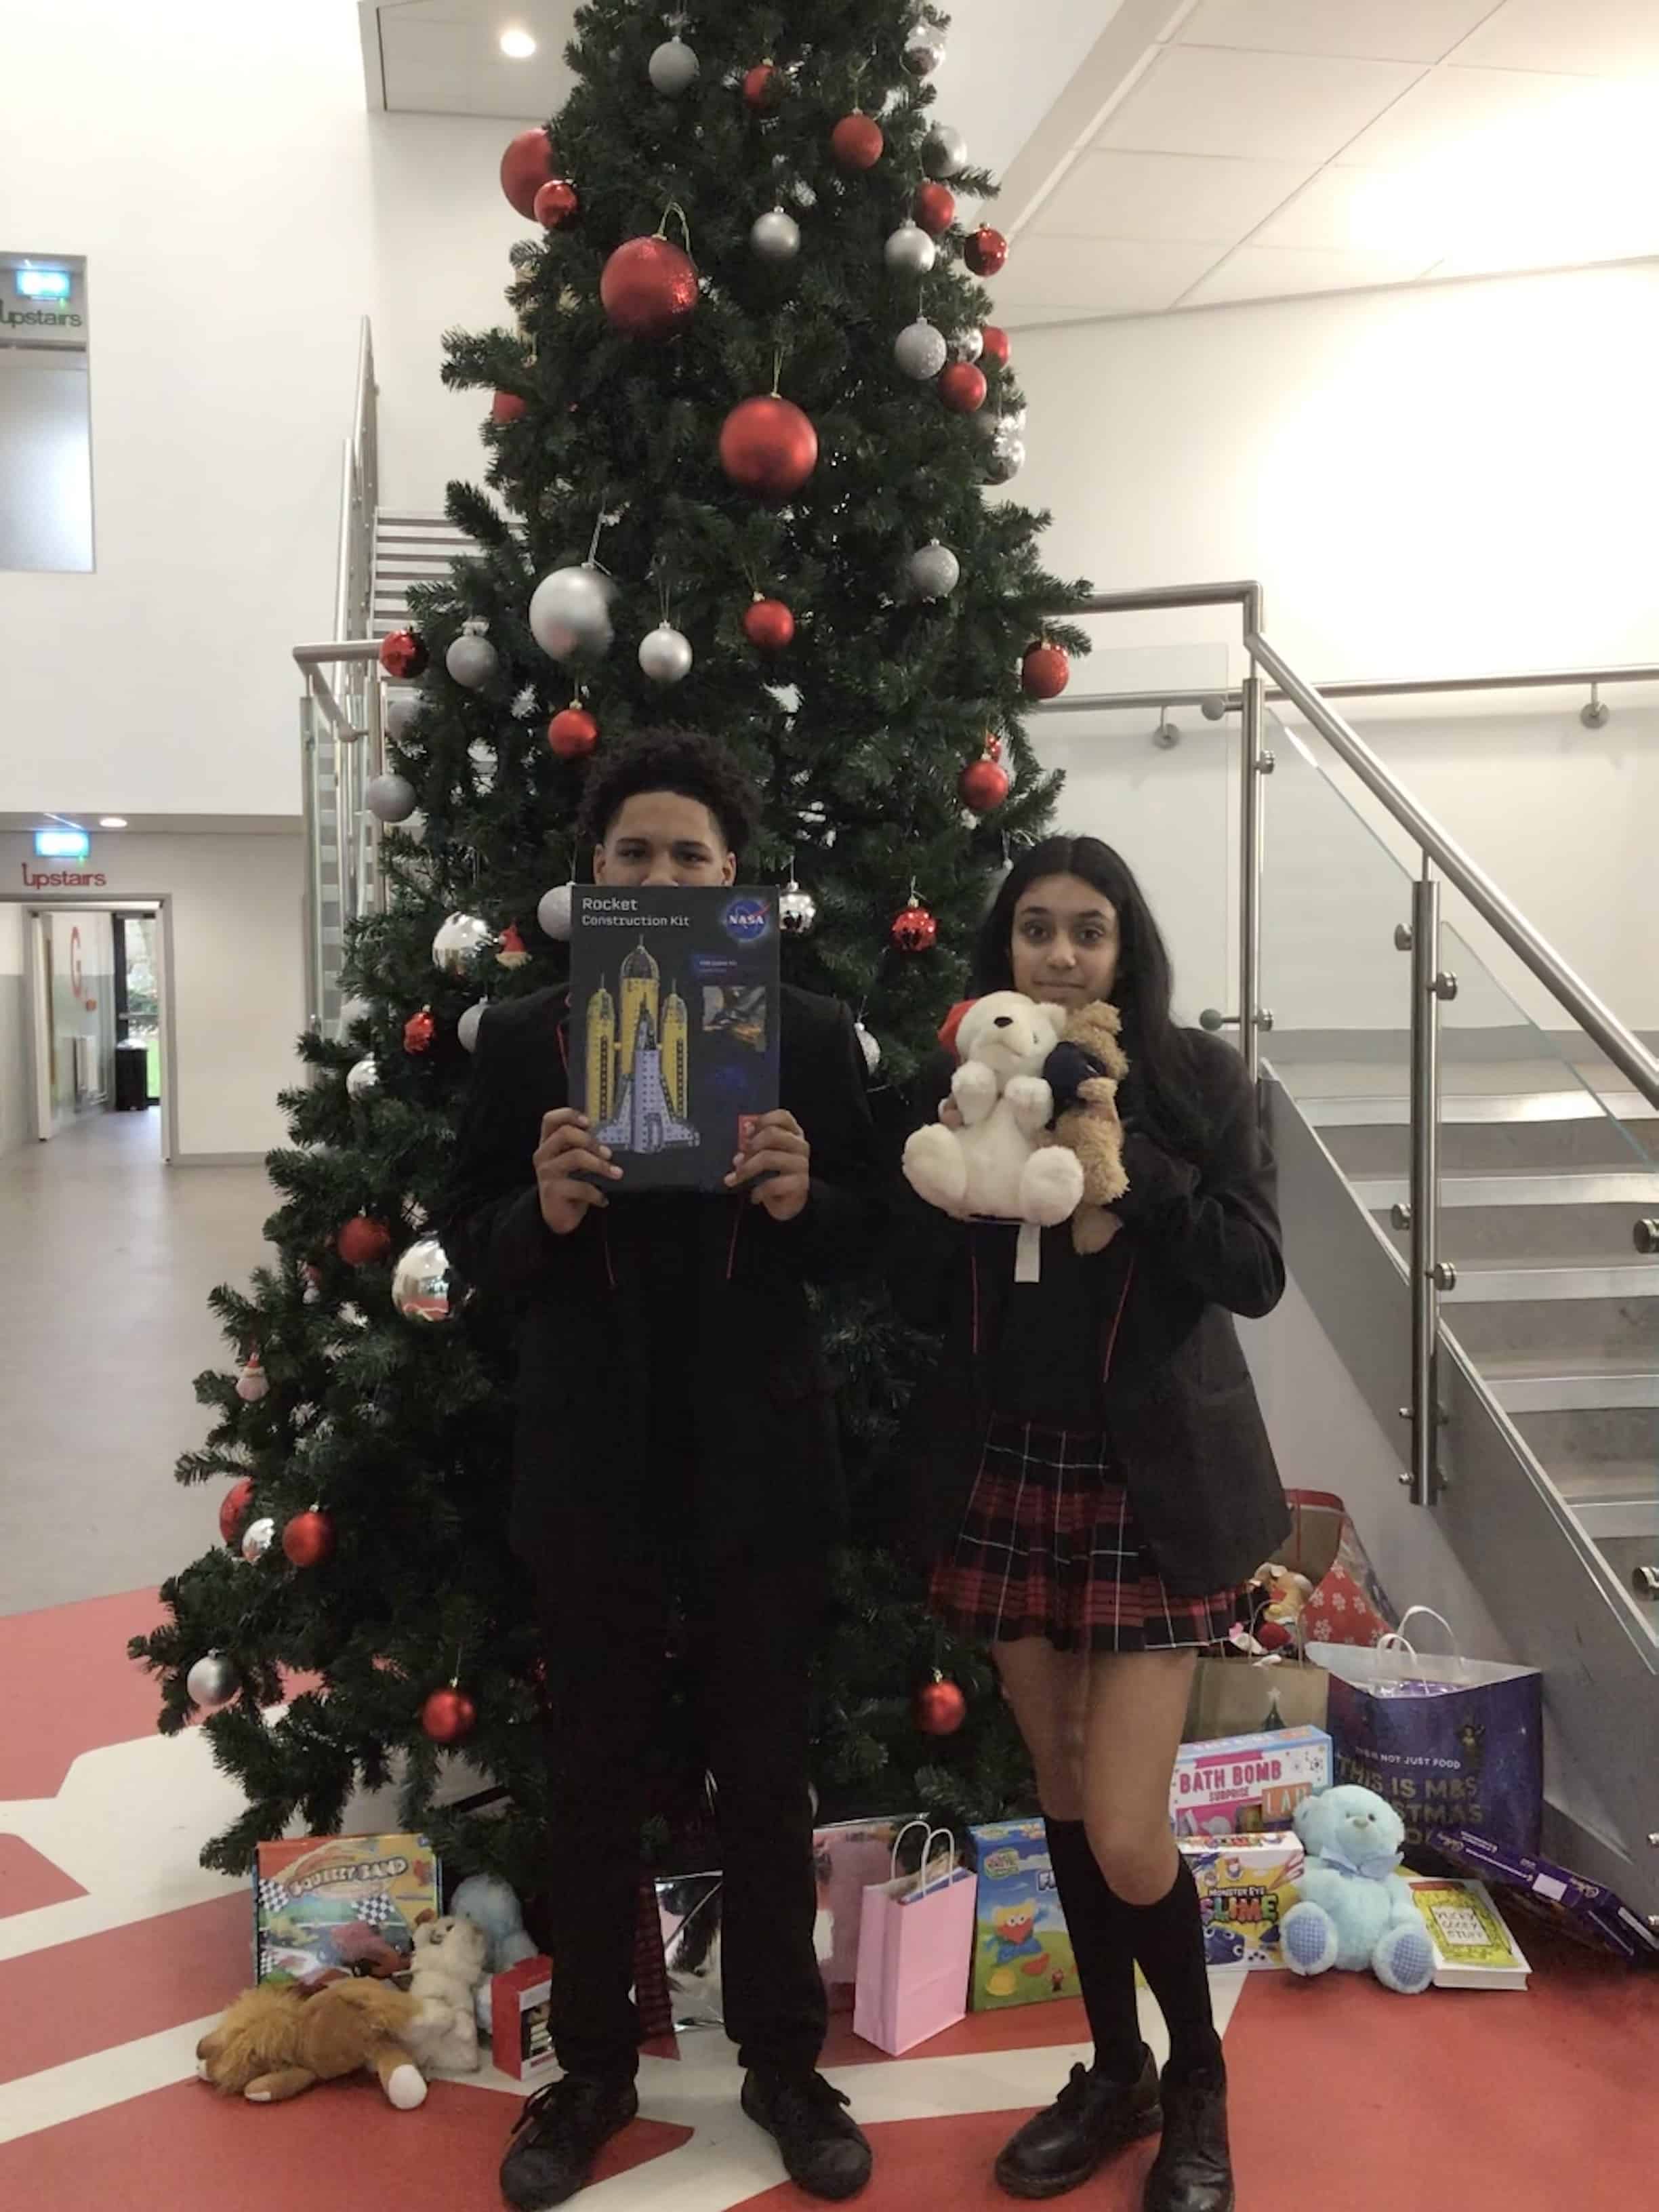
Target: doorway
(100, 1027)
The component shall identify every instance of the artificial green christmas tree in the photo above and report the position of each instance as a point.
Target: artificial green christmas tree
(739, 445)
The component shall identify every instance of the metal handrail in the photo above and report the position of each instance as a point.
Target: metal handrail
(1230, 699)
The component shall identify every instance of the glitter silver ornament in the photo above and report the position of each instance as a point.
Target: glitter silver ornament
(774, 236)
(666, 653)
(460, 939)
(467, 1028)
(923, 53)
(934, 570)
(968, 344)
(672, 68)
(211, 1681)
(909, 251)
(472, 659)
(402, 706)
(945, 151)
(553, 913)
(258, 1538)
(421, 1287)
(1005, 459)
(570, 612)
(363, 1077)
(870, 1046)
(920, 350)
(390, 798)
(798, 910)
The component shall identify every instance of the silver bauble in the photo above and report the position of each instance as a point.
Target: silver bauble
(570, 612)
(211, 1681)
(798, 910)
(472, 660)
(553, 913)
(923, 52)
(363, 1077)
(919, 349)
(774, 236)
(420, 1283)
(672, 68)
(258, 1538)
(401, 709)
(467, 1028)
(870, 1046)
(666, 653)
(1005, 459)
(460, 939)
(909, 251)
(390, 798)
(945, 151)
(934, 570)
(968, 344)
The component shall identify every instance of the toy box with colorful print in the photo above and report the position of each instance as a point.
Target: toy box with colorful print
(521, 2039)
(1246, 1885)
(1021, 1952)
(329, 1905)
(1247, 1785)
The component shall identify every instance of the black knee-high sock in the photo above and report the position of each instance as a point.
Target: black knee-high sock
(1100, 1943)
(1168, 1939)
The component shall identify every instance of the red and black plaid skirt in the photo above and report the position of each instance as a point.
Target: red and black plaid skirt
(1050, 1546)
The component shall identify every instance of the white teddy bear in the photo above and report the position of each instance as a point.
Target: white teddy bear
(449, 1963)
(994, 1165)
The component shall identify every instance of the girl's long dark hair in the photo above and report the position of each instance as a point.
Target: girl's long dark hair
(1160, 1090)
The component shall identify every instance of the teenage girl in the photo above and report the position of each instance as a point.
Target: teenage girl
(1097, 1485)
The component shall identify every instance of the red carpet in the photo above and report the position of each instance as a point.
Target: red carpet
(97, 1694)
(28, 1881)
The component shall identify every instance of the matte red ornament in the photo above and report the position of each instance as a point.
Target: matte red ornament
(915, 930)
(769, 624)
(308, 1539)
(648, 288)
(940, 1708)
(986, 251)
(572, 733)
(360, 1241)
(984, 785)
(961, 387)
(556, 203)
(856, 142)
(935, 208)
(419, 1031)
(993, 344)
(526, 166)
(506, 407)
(234, 1509)
(449, 1716)
(764, 87)
(403, 655)
(1045, 672)
(768, 446)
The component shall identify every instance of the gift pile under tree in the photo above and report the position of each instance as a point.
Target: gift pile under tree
(739, 446)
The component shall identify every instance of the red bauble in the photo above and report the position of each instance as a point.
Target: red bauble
(764, 87)
(1044, 672)
(526, 166)
(915, 930)
(856, 142)
(556, 203)
(506, 407)
(935, 208)
(984, 785)
(360, 1241)
(419, 1030)
(449, 1716)
(993, 344)
(767, 445)
(572, 733)
(308, 1539)
(769, 624)
(940, 1709)
(233, 1511)
(986, 251)
(961, 387)
(403, 655)
(648, 288)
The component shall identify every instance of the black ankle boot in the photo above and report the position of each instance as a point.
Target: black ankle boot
(825, 2151)
(558, 2134)
(1091, 2117)
(1193, 2171)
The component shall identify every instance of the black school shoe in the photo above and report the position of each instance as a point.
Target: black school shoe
(824, 2150)
(1064, 2145)
(557, 2136)
(1193, 2171)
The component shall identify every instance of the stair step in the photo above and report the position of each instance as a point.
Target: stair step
(1390, 1109)
(1511, 1236)
(1587, 1390)
(1372, 1151)
(1509, 1337)
(1520, 1286)
(1637, 1189)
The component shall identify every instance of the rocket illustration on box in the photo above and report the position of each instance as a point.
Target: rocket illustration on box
(639, 1061)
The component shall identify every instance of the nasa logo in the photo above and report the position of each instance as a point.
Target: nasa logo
(746, 920)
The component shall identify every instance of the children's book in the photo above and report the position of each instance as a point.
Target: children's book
(1473, 1948)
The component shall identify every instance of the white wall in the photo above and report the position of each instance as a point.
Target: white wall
(14, 1120)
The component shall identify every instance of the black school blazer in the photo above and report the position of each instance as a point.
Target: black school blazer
(1200, 1244)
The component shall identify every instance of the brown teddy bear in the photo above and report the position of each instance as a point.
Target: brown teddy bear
(1083, 1072)
(275, 2041)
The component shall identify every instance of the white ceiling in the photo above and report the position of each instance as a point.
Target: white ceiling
(1164, 153)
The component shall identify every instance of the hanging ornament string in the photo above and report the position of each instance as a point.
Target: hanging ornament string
(674, 208)
(777, 369)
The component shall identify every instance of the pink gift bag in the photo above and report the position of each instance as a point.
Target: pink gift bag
(915, 1946)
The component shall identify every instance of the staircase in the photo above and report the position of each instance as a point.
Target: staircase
(409, 548)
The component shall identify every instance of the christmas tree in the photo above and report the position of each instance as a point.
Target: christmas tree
(739, 441)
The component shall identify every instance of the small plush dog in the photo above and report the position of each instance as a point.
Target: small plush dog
(449, 1963)
(275, 2041)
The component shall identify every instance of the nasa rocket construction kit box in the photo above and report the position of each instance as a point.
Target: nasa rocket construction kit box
(1243, 1785)
(674, 1010)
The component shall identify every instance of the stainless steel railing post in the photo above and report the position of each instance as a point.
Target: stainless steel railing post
(1251, 795)
(313, 870)
(1430, 1275)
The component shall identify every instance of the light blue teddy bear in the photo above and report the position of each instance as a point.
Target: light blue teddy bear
(1353, 1910)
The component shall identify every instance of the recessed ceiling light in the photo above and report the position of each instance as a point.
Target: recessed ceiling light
(518, 46)
(112, 822)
